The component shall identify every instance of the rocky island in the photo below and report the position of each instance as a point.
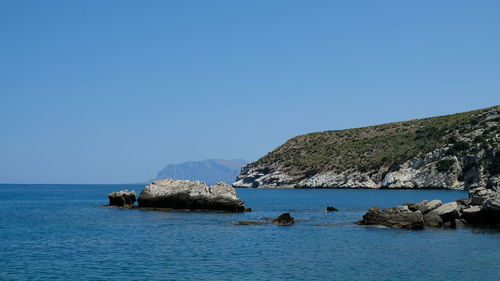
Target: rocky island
(458, 151)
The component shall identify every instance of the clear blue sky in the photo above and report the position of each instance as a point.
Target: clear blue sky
(111, 91)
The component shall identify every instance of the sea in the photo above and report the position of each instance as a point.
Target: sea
(62, 232)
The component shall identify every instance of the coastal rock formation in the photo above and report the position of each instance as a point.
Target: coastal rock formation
(444, 213)
(481, 208)
(192, 195)
(331, 209)
(400, 217)
(459, 151)
(122, 198)
(284, 219)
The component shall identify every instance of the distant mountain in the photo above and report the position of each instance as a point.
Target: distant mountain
(210, 171)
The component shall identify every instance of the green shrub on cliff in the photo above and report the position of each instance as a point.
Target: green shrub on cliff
(444, 165)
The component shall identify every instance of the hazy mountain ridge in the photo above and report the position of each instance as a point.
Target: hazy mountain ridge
(210, 171)
(452, 151)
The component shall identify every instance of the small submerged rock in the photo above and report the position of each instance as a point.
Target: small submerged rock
(122, 198)
(190, 195)
(284, 219)
(331, 209)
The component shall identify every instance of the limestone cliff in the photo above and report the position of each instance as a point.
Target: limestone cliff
(458, 151)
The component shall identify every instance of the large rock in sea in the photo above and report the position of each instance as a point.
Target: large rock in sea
(192, 195)
(122, 198)
(398, 217)
(484, 207)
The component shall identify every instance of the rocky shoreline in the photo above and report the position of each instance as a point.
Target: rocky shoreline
(481, 208)
(462, 172)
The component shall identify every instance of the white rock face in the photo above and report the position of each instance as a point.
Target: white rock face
(184, 194)
(423, 173)
(342, 180)
(264, 178)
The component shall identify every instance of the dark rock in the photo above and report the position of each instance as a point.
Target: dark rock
(472, 214)
(490, 211)
(398, 217)
(463, 201)
(484, 208)
(456, 223)
(190, 195)
(122, 198)
(477, 200)
(434, 221)
(331, 209)
(284, 219)
(494, 183)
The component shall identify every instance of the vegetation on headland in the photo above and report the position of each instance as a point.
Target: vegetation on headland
(370, 148)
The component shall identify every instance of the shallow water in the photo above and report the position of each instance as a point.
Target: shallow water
(50, 232)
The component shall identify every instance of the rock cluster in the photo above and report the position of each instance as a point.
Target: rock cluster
(122, 198)
(481, 208)
(191, 195)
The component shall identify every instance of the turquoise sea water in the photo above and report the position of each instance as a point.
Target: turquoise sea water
(58, 232)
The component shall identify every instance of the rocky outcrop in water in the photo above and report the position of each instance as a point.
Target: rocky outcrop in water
(459, 151)
(284, 219)
(191, 195)
(122, 198)
(481, 208)
(399, 216)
